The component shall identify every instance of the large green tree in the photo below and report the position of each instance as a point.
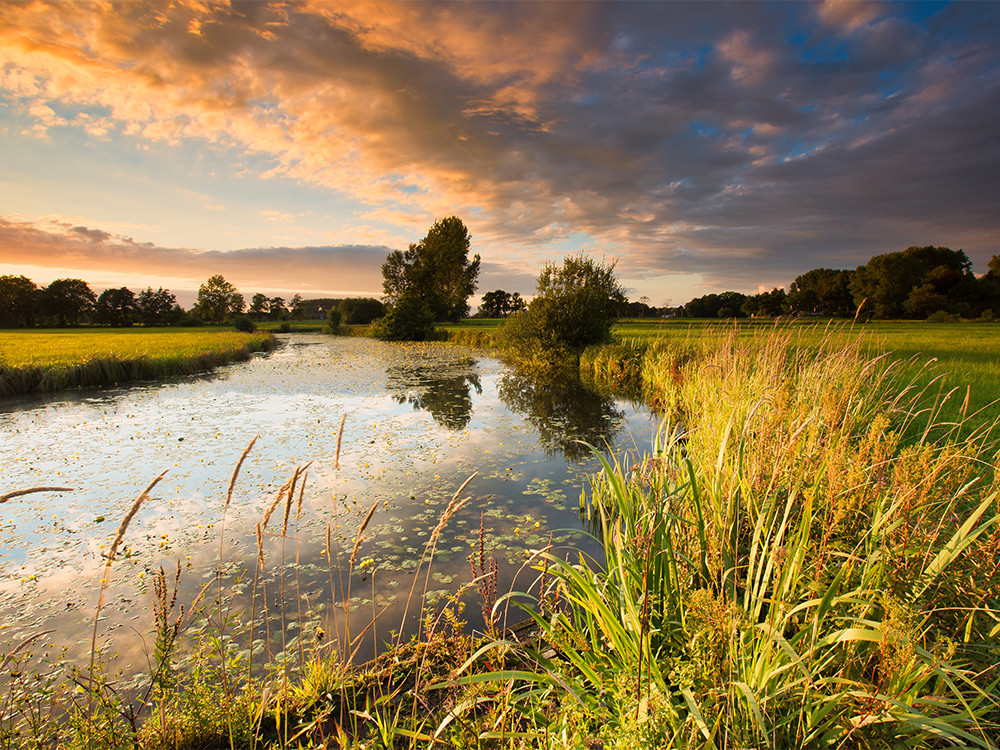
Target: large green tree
(887, 281)
(157, 308)
(218, 300)
(67, 301)
(500, 304)
(765, 304)
(360, 310)
(822, 291)
(115, 307)
(17, 301)
(258, 306)
(437, 270)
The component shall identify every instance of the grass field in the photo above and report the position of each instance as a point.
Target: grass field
(49, 360)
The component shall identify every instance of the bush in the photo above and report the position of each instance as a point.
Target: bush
(333, 320)
(409, 319)
(941, 316)
(243, 324)
(575, 307)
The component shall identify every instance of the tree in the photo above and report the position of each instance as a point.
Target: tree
(258, 306)
(298, 307)
(67, 301)
(317, 307)
(994, 266)
(576, 305)
(437, 269)
(115, 307)
(494, 304)
(924, 301)
(724, 305)
(822, 291)
(360, 310)
(276, 308)
(887, 280)
(17, 302)
(500, 304)
(157, 308)
(766, 304)
(218, 300)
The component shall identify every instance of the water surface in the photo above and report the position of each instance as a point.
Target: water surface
(420, 419)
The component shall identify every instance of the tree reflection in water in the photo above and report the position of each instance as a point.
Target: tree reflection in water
(563, 411)
(442, 389)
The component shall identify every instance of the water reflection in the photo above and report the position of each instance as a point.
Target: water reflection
(563, 411)
(442, 389)
(420, 420)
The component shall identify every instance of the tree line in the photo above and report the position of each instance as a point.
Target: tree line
(71, 302)
(916, 283)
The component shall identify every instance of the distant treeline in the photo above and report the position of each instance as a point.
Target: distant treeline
(916, 283)
(71, 302)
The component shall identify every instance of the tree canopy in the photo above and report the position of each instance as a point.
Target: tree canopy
(218, 300)
(17, 301)
(67, 301)
(360, 310)
(115, 307)
(437, 270)
(157, 308)
(500, 304)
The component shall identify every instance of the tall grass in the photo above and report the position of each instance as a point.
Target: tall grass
(799, 563)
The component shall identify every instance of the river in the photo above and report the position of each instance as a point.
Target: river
(419, 419)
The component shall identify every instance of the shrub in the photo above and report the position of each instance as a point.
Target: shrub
(409, 319)
(941, 316)
(333, 320)
(575, 307)
(243, 324)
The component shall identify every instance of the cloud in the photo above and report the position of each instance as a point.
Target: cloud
(729, 141)
(311, 271)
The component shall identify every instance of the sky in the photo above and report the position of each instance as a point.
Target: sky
(289, 146)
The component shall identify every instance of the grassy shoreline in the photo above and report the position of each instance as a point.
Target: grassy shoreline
(47, 360)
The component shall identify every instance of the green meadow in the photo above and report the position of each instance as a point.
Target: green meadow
(51, 360)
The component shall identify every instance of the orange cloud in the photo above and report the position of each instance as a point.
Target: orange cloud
(312, 271)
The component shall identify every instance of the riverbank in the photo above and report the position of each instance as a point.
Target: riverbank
(945, 356)
(35, 361)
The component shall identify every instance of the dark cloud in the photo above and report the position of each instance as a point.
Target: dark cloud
(93, 235)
